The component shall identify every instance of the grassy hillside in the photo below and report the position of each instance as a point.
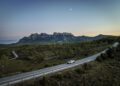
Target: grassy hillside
(32, 57)
(105, 71)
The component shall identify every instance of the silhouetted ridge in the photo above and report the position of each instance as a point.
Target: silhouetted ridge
(56, 38)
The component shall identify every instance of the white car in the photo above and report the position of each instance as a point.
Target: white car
(70, 61)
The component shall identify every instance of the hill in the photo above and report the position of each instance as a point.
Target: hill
(105, 71)
(33, 57)
(56, 38)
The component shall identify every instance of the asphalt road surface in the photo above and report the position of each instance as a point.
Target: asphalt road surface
(41, 72)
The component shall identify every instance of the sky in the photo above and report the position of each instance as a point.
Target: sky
(19, 18)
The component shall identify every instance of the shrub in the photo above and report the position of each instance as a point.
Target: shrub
(99, 59)
(58, 76)
(86, 66)
(80, 70)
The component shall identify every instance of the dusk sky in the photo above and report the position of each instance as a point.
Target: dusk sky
(19, 18)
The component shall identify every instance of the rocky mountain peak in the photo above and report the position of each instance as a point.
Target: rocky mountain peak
(56, 37)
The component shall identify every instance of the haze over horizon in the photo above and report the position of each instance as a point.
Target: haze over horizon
(20, 18)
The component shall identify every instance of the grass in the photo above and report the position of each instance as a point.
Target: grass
(33, 57)
(98, 73)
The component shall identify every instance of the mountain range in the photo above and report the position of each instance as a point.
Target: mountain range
(56, 38)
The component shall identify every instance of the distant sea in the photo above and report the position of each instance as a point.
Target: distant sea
(8, 41)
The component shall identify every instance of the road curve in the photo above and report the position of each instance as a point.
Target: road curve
(41, 72)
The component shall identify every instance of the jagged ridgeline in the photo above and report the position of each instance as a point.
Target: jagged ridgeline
(56, 38)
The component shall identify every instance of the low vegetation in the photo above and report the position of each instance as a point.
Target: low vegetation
(32, 57)
(105, 71)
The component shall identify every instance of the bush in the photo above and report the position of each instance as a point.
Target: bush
(58, 76)
(109, 53)
(99, 59)
(80, 70)
(103, 56)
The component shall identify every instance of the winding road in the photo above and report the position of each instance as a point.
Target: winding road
(42, 72)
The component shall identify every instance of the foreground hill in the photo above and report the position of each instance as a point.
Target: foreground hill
(33, 57)
(56, 38)
(105, 71)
